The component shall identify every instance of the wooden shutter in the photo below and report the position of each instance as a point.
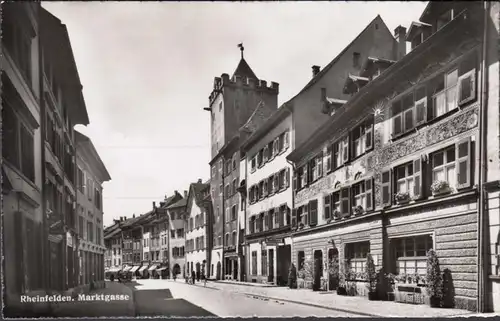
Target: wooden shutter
(329, 162)
(319, 164)
(463, 163)
(345, 149)
(294, 218)
(369, 135)
(281, 214)
(369, 194)
(386, 188)
(287, 139)
(305, 173)
(265, 156)
(287, 177)
(467, 87)
(270, 182)
(327, 208)
(313, 212)
(420, 106)
(295, 181)
(345, 201)
(418, 191)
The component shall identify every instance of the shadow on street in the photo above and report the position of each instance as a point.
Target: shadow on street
(162, 303)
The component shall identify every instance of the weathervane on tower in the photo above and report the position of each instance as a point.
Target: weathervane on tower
(240, 45)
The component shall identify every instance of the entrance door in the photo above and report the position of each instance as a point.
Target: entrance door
(318, 269)
(333, 269)
(270, 257)
(218, 271)
(283, 261)
(235, 269)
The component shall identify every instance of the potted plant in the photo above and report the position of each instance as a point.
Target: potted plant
(300, 226)
(440, 187)
(358, 210)
(292, 277)
(341, 289)
(402, 197)
(336, 215)
(434, 279)
(333, 272)
(371, 277)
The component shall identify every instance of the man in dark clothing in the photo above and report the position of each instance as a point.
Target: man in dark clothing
(193, 276)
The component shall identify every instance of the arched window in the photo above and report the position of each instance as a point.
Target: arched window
(234, 237)
(227, 240)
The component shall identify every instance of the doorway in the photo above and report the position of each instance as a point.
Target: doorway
(333, 269)
(218, 270)
(283, 261)
(270, 257)
(318, 269)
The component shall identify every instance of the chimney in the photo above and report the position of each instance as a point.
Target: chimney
(400, 35)
(154, 205)
(185, 194)
(199, 181)
(315, 70)
(133, 215)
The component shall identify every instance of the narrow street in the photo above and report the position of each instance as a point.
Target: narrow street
(168, 298)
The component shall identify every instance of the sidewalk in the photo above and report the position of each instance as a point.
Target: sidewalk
(98, 307)
(330, 300)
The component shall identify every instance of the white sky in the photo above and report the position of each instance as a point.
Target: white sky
(147, 70)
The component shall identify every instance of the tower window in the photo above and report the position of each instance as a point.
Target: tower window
(355, 59)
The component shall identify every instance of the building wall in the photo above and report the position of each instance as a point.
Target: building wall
(492, 259)
(200, 254)
(146, 243)
(176, 223)
(271, 167)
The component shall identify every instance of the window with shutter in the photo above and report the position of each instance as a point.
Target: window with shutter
(328, 159)
(282, 212)
(464, 163)
(345, 149)
(305, 214)
(418, 191)
(270, 151)
(294, 218)
(319, 165)
(276, 147)
(327, 207)
(305, 175)
(313, 212)
(287, 177)
(295, 187)
(345, 208)
(397, 119)
(467, 88)
(270, 184)
(287, 139)
(420, 106)
(266, 221)
(369, 135)
(265, 154)
(386, 188)
(369, 194)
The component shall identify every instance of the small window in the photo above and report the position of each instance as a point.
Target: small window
(356, 59)
(443, 166)
(356, 254)
(410, 254)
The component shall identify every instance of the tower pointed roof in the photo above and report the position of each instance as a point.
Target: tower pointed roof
(243, 70)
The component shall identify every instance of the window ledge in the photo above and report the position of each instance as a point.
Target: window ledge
(494, 277)
(433, 200)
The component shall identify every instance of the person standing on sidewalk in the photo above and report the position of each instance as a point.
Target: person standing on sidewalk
(193, 276)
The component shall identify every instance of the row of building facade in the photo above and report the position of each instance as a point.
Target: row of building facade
(51, 174)
(386, 150)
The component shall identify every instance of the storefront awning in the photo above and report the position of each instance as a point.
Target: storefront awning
(161, 269)
(144, 267)
(135, 268)
(126, 269)
(114, 269)
(152, 267)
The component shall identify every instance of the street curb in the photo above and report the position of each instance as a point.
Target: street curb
(314, 305)
(201, 286)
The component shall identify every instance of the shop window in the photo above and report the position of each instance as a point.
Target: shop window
(356, 254)
(410, 254)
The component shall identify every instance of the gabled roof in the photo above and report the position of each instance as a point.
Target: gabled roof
(179, 203)
(337, 58)
(86, 143)
(415, 25)
(243, 70)
(196, 193)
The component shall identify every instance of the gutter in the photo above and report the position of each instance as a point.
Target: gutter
(293, 174)
(45, 236)
(482, 161)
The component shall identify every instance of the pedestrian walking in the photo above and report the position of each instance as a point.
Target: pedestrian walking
(193, 276)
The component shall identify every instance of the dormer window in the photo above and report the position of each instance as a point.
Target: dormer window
(444, 19)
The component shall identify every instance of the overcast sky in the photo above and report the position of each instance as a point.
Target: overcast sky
(147, 70)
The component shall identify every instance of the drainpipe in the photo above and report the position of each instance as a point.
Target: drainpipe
(482, 160)
(45, 240)
(223, 263)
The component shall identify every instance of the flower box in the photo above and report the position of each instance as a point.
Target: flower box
(336, 215)
(440, 188)
(358, 210)
(402, 197)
